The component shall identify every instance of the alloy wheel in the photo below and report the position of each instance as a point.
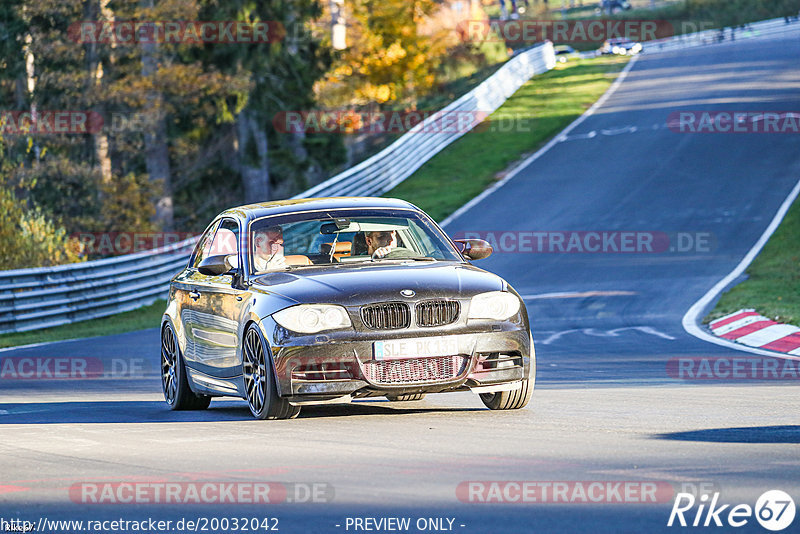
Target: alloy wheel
(255, 371)
(169, 361)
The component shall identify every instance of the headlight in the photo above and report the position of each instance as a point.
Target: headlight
(311, 318)
(496, 305)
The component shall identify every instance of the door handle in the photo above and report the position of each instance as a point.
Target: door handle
(194, 295)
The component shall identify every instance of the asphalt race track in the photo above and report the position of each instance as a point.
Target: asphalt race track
(605, 326)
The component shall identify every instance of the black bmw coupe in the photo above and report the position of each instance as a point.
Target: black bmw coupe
(327, 300)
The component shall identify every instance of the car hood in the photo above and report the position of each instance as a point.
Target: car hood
(377, 282)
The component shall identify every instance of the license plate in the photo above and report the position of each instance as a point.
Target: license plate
(421, 347)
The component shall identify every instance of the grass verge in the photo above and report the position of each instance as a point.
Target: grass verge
(773, 284)
(139, 319)
(540, 109)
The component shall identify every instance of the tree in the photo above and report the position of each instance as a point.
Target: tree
(116, 80)
(388, 58)
(12, 58)
(178, 118)
(282, 73)
(30, 238)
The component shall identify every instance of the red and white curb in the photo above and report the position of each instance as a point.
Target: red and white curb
(749, 328)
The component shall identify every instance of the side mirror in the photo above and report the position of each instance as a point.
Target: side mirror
(216, 265)
(474, 249)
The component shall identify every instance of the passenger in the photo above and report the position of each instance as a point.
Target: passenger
(359, 245)
(268, 249)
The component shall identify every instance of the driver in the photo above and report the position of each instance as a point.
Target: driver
(268, 249)
(379, 244)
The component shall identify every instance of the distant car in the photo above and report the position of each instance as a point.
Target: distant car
(564, 52)
(612, 6)
(620, 47)
(290, 303)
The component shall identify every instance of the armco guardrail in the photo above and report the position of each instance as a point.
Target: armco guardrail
(398, 161)
(51, 296)
(772, 28)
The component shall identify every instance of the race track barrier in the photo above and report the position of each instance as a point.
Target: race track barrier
(773, 28)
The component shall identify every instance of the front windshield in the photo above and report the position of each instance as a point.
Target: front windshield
(345, 237)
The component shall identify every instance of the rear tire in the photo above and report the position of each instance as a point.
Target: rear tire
(514, 399)
(174, 381)
(406, 398)
(259, 380)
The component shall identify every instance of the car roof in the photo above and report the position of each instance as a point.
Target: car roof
(279, 207)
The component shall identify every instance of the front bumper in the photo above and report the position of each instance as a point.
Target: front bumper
(340, 366)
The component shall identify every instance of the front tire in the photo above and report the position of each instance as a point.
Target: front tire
(174, 383)
(259, 380)
(514, 399)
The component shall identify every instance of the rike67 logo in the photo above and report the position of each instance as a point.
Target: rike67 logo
(774, 510)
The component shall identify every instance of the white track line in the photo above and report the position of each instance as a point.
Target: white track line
(539, 153)
(691, 321)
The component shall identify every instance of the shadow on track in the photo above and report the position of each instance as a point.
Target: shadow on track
(756, 434)
(157, 412)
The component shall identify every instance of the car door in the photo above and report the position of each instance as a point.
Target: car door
(213, 310)
(185, 292)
